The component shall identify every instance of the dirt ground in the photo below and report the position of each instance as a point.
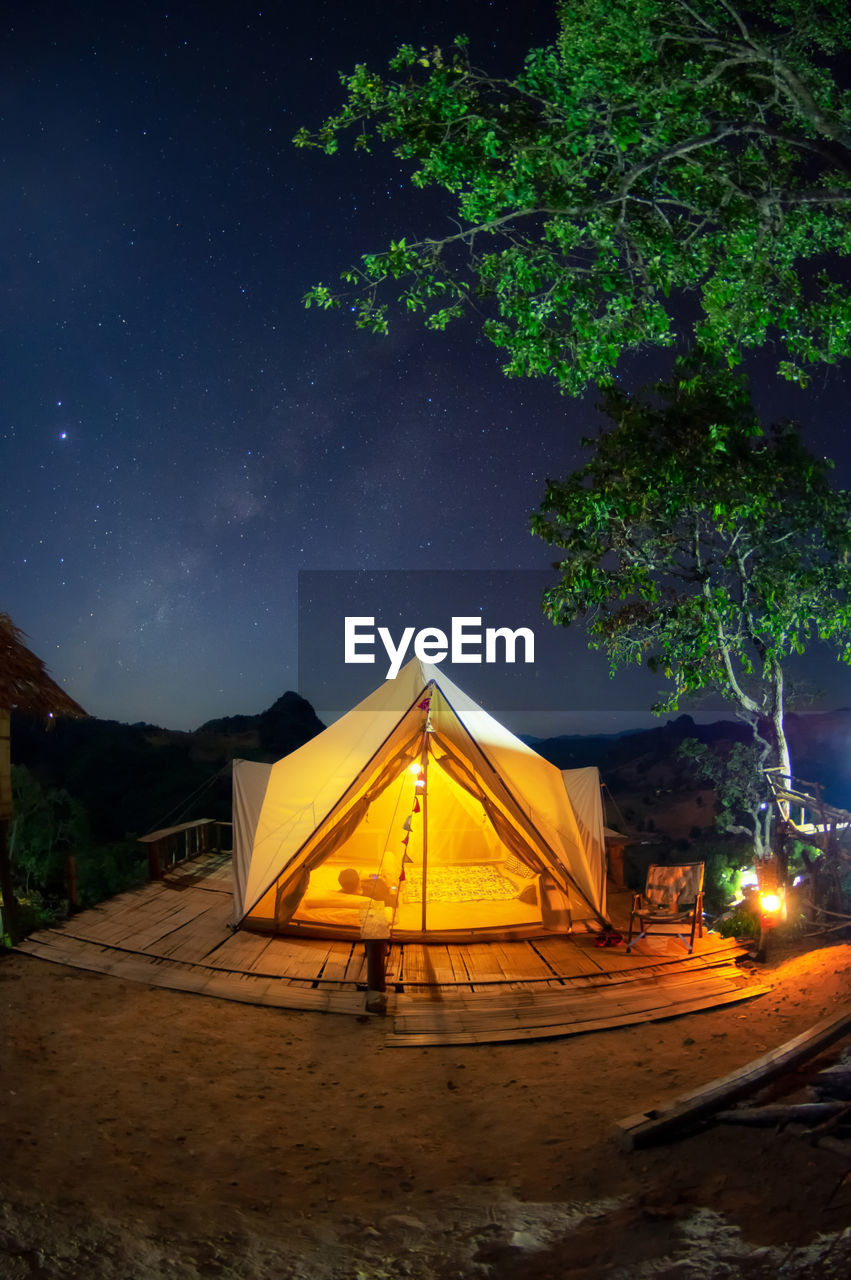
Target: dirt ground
(150, 1133)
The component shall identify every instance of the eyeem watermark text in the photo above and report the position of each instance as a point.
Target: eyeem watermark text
(464, 643)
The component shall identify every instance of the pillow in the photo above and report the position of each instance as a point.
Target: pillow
(518, 868)
(329, 901)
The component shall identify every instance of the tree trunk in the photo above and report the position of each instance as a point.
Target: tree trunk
(10, 906)
(771, 738)
(5, 768)
(783, 760)
(761, 817)
(778, 712)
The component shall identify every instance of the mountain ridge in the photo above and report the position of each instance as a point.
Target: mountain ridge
(130, 776)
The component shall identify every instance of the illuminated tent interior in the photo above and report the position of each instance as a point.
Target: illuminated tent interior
(417, 816)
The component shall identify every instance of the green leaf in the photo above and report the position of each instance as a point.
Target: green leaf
(621, 172)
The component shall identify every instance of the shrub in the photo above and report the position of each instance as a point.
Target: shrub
(725, 859)
(104, 870)
(739, 923)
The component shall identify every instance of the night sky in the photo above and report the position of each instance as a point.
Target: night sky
(179, 437)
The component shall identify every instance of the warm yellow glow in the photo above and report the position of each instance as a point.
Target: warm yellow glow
(420, 782)
(415, 769)
(770, 902)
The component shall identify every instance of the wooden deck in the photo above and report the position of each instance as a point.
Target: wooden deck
(176, 933)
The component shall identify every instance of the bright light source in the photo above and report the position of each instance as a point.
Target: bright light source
(415, 769)
(749, 878)
(770, 902)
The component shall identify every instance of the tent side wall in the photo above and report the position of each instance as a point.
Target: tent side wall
(584, 790)
(250, 780)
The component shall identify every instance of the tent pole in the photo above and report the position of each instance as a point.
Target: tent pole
(424, 776)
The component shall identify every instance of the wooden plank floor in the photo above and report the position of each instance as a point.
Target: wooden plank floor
(176, 933)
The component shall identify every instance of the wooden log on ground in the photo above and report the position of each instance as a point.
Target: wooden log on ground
(834, 1082)
(831, 1124)
(827, 928)
(771, 1116)
(659, 1123)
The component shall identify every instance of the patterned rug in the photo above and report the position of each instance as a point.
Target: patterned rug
(474, 883)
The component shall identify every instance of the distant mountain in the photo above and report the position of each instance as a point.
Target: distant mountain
(230, 724)
(134, 778)
(574, 751)
(819, 744)
(280, 729)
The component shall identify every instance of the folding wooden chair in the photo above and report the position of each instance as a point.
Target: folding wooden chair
(672, 896)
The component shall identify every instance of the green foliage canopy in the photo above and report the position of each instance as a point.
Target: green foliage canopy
(696, 543)
(657, 149)
(47, 825)
(743, 798)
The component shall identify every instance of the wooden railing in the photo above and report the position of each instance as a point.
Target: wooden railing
(814, 815)
(177, 844)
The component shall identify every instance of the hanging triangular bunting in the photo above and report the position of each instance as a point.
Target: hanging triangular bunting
(406, 825)
(405, 841)
(417, 805)
(406, 857)
(402, 876)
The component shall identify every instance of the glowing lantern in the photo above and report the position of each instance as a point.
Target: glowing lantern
(772, 907)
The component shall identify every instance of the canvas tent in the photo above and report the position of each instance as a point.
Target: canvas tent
(417, 816)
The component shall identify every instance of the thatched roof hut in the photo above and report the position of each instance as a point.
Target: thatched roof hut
(24, 682)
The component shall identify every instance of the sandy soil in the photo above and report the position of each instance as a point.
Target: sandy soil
(150, 1133)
